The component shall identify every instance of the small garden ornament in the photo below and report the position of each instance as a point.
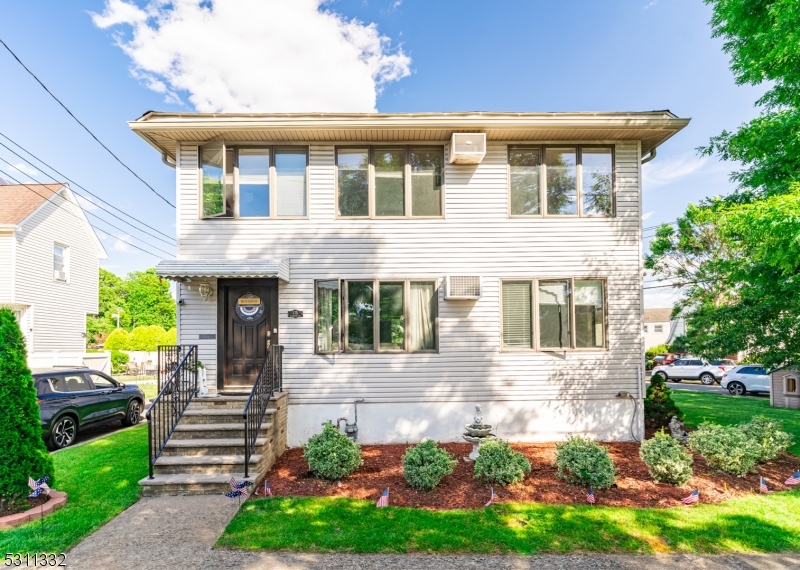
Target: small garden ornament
(677, 431)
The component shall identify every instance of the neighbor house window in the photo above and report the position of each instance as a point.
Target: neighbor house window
(60, 262)
(569, 180)
(377, 316)
(253, 182)
(554, 314)
(645, 328)
(658, 328)
(389, 182)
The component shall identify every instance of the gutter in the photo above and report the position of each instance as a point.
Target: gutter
(647, 158)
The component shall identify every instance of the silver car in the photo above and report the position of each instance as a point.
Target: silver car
(690, 369)
(746, 378)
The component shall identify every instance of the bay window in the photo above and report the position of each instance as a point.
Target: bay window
(376, 316)
(554, 314)
(570, 180)
(389, 182)
(253, 182)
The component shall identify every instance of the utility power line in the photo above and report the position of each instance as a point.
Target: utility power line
(118, 159)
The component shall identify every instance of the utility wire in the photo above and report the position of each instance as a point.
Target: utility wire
(67, 178)
(78, 218)
(32, 74)
(95, 215)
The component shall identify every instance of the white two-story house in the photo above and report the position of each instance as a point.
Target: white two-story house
(49, 259)
(424, 263)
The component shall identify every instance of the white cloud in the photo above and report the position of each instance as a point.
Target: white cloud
(648, 215)
(256, 55)
(121, 243)
(651, 4)
(25, 169)
(86, 203)
(395, 5)
(655, 174)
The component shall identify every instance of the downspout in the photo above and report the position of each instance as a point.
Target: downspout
(165, 160)
(650, 156)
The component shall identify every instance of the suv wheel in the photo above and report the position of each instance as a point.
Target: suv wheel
(133, 414)
(63, 432)
(737, 388)
(707, 378)
(663, 376)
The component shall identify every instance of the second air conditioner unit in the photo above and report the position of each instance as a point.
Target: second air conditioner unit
(462, 287)
(467, 148)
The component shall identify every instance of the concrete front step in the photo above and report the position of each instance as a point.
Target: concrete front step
(203, 464)
(210, 431)
(213, 446)
(218, 416)
(194, 484)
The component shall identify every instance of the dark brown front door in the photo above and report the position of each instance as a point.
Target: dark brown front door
(249, 322)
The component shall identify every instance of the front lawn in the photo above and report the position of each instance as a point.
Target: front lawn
(101, 480)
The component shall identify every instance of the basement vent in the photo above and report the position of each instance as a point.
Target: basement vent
(467, 148)
(462, 287)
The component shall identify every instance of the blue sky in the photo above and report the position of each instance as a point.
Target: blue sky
(573, 55)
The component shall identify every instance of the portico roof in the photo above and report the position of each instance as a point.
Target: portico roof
(190, 269)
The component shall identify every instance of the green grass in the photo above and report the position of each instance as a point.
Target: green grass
(100, 479)
(701, 407)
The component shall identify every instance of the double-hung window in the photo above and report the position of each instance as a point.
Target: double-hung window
(253, 182)
(564, 180)
(60, 262)
(554, 314)
(389, 182)
(393, 315)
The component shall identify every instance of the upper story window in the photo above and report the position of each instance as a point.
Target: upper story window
(561, 180)
(253, 182)
(60, 262)
(389, 182)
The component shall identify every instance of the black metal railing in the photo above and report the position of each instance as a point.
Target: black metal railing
(269, 381)
(177, 385)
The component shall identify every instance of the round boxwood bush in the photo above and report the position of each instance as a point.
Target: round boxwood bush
(583, 461)
(768, 436)
(726, 448)
(498, 463)
(331, 454)
(666, 459)
(425, 465)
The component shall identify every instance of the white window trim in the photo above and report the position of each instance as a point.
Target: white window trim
(65, 262)
(796, 385)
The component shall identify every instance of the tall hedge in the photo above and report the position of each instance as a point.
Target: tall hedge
(24, 451)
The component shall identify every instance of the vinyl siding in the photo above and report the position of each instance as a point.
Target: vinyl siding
(475, 237)
(6, 267)
(59, 315)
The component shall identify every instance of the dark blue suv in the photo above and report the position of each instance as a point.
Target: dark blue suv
(71, 399)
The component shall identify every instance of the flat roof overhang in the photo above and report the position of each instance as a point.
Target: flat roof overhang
(182, 270)
(165, 131)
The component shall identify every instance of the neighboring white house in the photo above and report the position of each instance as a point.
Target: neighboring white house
(49, 259)
(423, 262)
(659, 329)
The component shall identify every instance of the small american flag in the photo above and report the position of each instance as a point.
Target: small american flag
(267, 490)
(234, 494)
(692, 499)
(492, 497)
(39, 486)
(794, 479)
(762, 486)
(240, 485)
(590, 495)
(384, 500)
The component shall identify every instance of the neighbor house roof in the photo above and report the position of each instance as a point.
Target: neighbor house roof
(18, 201)
(166, 130)
(657, 315)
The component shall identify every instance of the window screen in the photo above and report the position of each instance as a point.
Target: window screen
(517, 314)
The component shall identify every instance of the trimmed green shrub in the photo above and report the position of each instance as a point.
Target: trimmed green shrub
(658, 405)
(666, 459)
(498, 463)
(118, 361)
(147, 338)
(118, 339)
(332, 455)
(169, 337)
(583, 461)
(425, 465)
(768, 436)
(726, 448)
(24, 451)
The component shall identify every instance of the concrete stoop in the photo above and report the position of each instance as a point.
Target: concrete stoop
(207, 447)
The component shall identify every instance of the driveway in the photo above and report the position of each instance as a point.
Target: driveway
(696, 386)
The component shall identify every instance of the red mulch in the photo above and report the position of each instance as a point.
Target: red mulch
(383, 467)
(25, 505)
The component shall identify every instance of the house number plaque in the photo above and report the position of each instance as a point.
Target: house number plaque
(295, 314)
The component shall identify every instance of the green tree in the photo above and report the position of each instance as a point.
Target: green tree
(119, 339)
(148, 300)
(147, 338)
(20, 429)
(112, 293)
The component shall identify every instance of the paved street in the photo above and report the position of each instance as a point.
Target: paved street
(698, 387)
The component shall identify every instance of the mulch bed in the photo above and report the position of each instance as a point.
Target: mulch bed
(25, 505)
(383, 467)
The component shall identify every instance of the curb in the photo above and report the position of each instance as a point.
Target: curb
(57, 500)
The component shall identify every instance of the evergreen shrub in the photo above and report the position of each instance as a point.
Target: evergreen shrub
(583, 461)
(498, 463)
(24, 451)
(666, 459)
(332, 455)
(658, 405)
(118, 339)
(425, 465)
(768, 436)
(118, 361)
(726, 448)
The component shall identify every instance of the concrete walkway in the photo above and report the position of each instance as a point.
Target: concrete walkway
(178, 532)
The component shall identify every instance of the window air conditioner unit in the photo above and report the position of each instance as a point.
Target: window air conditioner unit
(462, 287)
(467, 148)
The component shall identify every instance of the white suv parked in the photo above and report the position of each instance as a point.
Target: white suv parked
(746, 378)
(690, 369)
